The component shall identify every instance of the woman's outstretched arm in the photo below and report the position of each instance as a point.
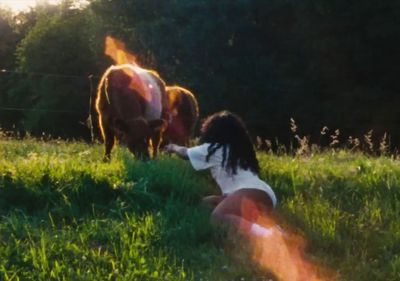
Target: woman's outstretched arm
(181, 151)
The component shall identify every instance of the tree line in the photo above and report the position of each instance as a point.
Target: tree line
(322, 63)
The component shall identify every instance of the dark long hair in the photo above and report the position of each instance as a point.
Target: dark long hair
(227, 130)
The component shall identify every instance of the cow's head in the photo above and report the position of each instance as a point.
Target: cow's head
(136, 133)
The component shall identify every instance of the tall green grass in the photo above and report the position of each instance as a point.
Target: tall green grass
(66, 215)
(347, 205)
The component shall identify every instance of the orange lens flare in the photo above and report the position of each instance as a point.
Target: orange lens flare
(275, 249)
(141, 81)
(283, 253)
(116, 50)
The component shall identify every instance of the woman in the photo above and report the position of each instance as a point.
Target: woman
(226, 149)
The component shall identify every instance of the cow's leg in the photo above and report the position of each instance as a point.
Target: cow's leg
(158, 128)
(108, 137)
(109, 144)
(156, 141)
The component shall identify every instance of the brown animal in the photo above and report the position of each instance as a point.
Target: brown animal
(184, 113)
(133, 108)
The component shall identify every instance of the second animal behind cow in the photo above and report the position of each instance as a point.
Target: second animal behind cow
(184, 113)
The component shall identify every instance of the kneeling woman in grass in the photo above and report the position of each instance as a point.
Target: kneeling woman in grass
(226, 149)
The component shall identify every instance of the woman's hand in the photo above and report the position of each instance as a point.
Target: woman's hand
(170, 148)
(181, 151)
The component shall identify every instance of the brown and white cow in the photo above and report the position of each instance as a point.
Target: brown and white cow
(184, 113)
(133, 108)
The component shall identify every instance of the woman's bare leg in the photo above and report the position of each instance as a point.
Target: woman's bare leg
(243, 208)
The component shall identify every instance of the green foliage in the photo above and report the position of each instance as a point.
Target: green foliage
(65, 94)
(323, 63)
(8, 42)
(50, 38)
(8, 39)
(327, 63)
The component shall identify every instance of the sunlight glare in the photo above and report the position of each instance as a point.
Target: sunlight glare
(24, 5)
(283, 253)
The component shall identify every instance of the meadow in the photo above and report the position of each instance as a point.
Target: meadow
(66, 215)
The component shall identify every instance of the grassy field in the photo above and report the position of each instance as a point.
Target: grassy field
(65, 215)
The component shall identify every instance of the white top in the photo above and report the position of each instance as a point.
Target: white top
(227, 181)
